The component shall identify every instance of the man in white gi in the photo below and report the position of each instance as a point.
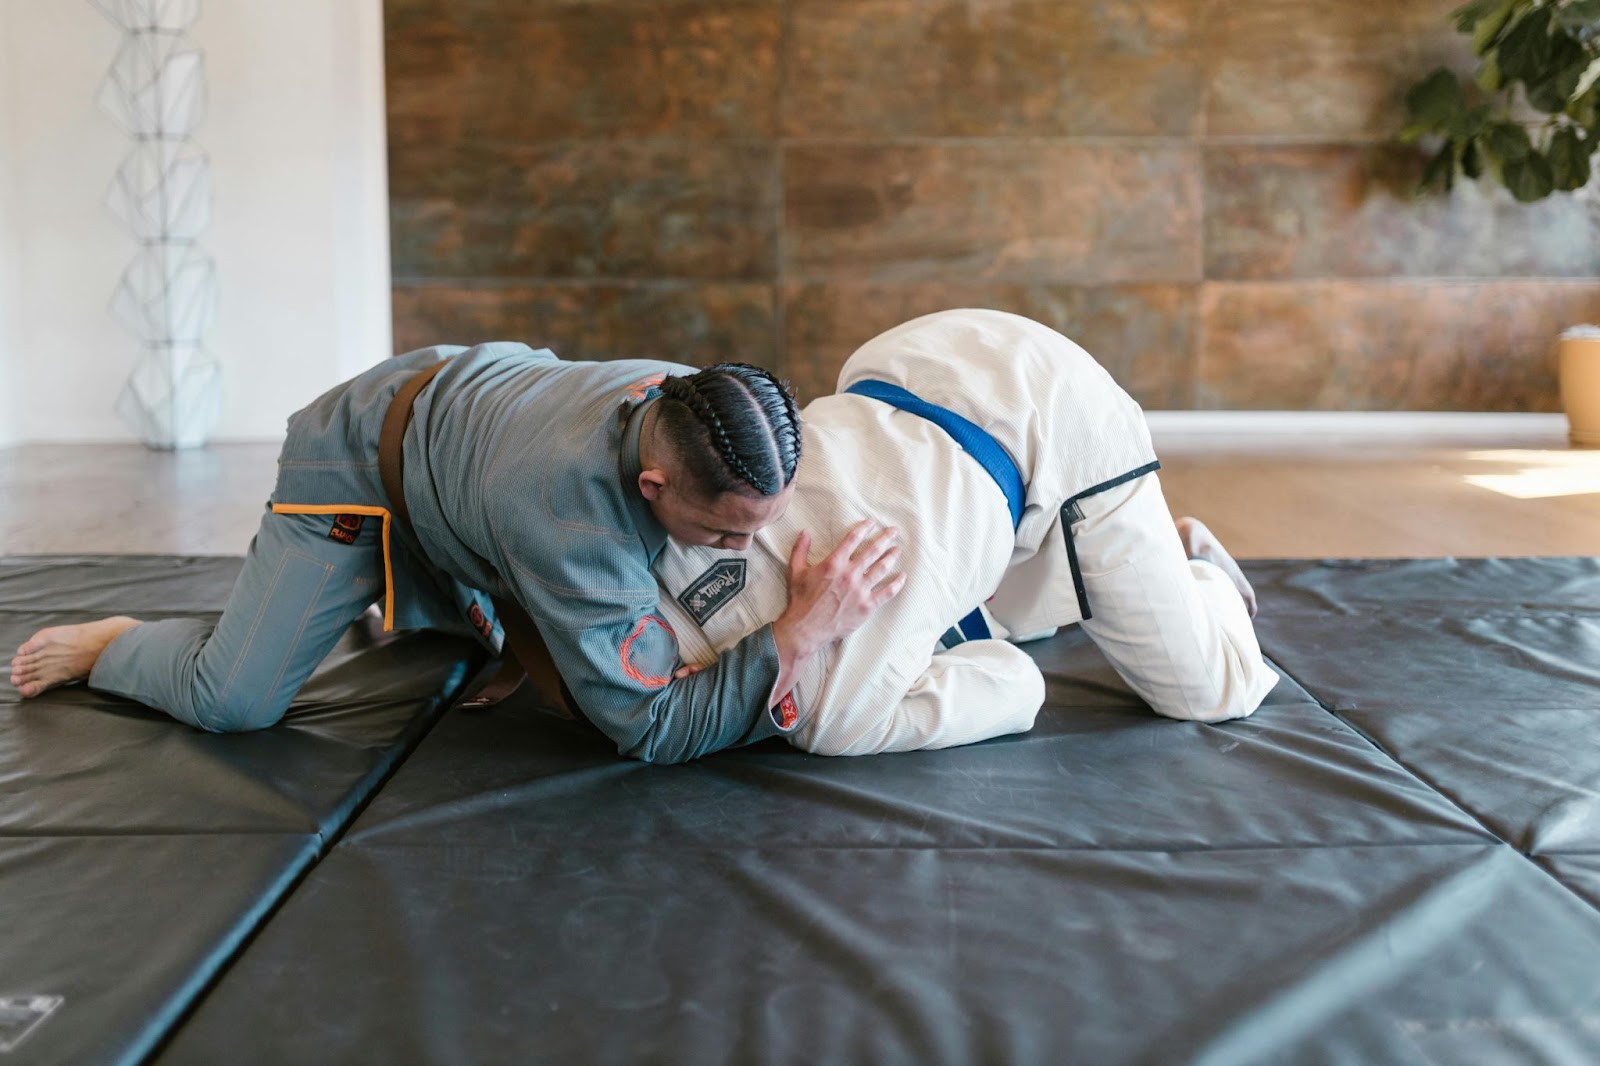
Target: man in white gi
(1023, 479)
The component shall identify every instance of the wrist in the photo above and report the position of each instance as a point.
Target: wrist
(795, 646)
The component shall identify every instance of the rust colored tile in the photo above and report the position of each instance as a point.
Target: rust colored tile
(506, 72)
(687, 323)
(996, 211)
(996, 68)
(588, 210)
(1401, 345)
(1349, 211)
(1293, 68)
(1143, 334)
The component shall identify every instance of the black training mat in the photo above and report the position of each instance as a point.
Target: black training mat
(121, 933)
(449, 953)
(1344, 877)
(137, 854)
(1482, 676)
(1579, 872)
(1110, 888)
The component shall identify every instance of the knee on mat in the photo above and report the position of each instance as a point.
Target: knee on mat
(229, 715)
(1211, 708)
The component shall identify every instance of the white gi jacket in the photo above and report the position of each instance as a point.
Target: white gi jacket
(882, 688)
(1081, 445)
(1068, 426)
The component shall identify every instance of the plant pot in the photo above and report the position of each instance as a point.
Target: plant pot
(1580, 384)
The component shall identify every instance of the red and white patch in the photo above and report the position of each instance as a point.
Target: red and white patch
(788, 712)
(645, 652)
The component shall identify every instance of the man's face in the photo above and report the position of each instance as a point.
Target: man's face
(730, 520)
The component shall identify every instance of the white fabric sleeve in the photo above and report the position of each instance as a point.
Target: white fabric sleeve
(1175, 629)
(974, 691)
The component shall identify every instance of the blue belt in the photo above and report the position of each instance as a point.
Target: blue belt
(976, 443)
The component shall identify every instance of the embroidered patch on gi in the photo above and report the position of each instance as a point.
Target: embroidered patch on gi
(788, 713)
(346, 527)
(641, 388)
(652, 646)
(480, 622)
(21, 1015)
(713, 589)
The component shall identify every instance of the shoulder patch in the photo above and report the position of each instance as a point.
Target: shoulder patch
(710, 592)
(652, 646)
(641, 388)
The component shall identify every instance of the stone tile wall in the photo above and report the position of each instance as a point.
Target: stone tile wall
(1201, 192)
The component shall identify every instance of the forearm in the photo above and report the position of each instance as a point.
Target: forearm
(794, 651)
(722, 706)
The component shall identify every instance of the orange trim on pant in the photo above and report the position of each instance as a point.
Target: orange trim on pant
(371, 512)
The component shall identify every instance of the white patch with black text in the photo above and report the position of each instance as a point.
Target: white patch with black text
(711, 591)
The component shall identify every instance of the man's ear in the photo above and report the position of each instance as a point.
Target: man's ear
(652, 483)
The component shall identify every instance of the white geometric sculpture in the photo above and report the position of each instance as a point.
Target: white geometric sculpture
(167, 297)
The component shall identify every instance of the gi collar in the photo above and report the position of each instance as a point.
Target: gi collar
(651, 532)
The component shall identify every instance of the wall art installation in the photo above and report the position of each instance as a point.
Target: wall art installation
(156, 91)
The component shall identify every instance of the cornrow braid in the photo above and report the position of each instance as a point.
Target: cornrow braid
(737, 425)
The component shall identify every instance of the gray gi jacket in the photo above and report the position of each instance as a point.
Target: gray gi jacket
(520, 476)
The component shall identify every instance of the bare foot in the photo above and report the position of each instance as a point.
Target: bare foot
(61, 655)
(1200, 543)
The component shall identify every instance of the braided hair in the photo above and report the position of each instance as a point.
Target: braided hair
(735, 426)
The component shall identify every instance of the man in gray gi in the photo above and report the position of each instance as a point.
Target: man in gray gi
(504, 480)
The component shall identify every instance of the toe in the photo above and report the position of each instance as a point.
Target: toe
(30, 690)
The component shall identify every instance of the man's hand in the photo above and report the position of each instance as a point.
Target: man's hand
(834, 597)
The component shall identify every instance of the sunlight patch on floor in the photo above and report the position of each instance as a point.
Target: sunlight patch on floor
(1539, 475)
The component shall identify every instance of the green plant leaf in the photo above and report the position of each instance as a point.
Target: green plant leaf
(1471, 160)
(1529, 178)
(1569, 160)
(1507, 142)
(1469, 17)
(1436, 101)
(1527, 51)
(1586, 111)
(1557, 90)
(1471, 124)
(1441, 169)
(1488, 27)
(1489, 78)
(1591, 75)
(1579, 15)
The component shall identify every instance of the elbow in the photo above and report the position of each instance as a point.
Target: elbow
(650, 749)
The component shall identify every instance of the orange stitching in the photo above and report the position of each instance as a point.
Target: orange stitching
(647, 680)
(345, 508)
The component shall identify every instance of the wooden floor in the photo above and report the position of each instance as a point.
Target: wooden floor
(1308, 492)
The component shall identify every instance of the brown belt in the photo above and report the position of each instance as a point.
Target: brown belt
(524, 654)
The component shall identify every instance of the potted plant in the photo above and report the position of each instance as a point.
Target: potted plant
(1528, 120)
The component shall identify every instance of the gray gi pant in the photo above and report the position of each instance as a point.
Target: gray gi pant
(300, 588)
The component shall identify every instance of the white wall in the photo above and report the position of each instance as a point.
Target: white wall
(8, 247)
(295, 132)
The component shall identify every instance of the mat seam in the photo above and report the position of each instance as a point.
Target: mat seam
(327, 843)
(1416, 775)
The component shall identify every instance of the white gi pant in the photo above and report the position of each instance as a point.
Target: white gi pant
(1175, 629)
